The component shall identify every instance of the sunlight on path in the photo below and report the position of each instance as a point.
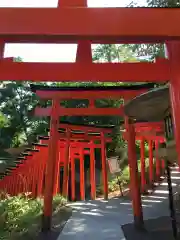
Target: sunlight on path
(102, 220)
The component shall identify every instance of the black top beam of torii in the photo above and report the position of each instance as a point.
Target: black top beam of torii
(148, 86)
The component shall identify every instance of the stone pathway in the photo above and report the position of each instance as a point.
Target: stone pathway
(102, 220)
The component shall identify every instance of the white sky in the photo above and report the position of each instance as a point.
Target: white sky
(51, 52)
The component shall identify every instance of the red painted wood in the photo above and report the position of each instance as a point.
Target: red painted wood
(90, 94)
(80, 111)
(2, 48)
(86, 128)
(104, 166)
(34, 181)
(92, 173)
(66, 165)
(134, 178)
(174, 58)
(57, 171)
(76, 144)
(151, 170)
(73, 23)
(42, 157)
(82, 180)
(75, 138)
(72, 161)
(72, 3)
(78, 72)
(50, 165)
(158, 161)
(146, 136)
(143, 165)
(40, 182)
(149, 125)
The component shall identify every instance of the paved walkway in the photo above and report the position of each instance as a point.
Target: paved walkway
(102, 220)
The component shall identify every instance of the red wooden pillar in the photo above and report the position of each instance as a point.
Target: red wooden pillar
(66, 164)
(72, 160)
(82, 183)
(50, 166)
(41, 178)
(158, 162)
(92, 172)
(72, 3)
(17, 183)
(104, 166)
(38, 169)
(27, 166)
(173, 48)
(84, 53)
(17, 189)
(134, 178)
(7, 182)
(37, 175)
(2, 48)
(12, 175)
(14, 184)
(151, 171)
(57, 172)
(10, 184)
(143, 165)
(34, 181)
(29, 174)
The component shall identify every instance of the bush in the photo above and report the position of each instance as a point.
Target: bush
(20, 215)
(17, 214)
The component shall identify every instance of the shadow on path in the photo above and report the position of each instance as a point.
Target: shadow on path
(102, 220)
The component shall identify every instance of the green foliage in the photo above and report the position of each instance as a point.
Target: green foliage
(163, 3)
(113, 53)
(21, 215)
(17, 214)
(4, 122)
(124, 177)
(58, 200)
(151, 51)
(16, 104)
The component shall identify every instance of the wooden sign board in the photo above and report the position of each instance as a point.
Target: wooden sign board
(113, 163)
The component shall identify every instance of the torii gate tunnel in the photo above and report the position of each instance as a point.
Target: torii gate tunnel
(153, 133)
(73, 22)
(56, 110)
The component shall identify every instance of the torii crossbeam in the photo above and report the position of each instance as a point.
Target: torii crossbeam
(127, 25)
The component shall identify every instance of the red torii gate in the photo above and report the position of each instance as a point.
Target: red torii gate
(71, 22)
(55, 111)
(33, 154)
(143, 127)
(150, 132)
(90, 134)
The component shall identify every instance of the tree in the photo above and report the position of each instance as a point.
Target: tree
(16, 103)
(151, 51)
(113, 53)
(163, 3)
